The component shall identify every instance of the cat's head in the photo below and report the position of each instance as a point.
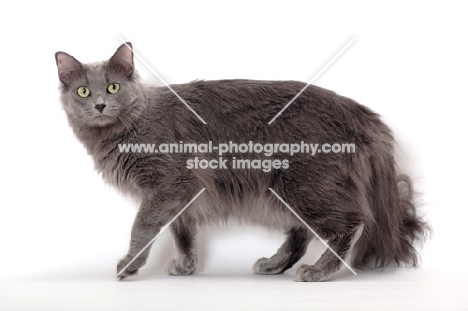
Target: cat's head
(99, 94)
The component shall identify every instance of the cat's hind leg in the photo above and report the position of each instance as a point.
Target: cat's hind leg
(287, 255)
(329, 263)
(184, 232)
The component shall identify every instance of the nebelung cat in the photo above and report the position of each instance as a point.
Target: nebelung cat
(356, 201)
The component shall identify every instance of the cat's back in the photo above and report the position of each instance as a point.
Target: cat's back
(242, 109)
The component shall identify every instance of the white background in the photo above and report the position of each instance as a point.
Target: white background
(62, 229)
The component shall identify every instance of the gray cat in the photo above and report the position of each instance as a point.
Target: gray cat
(356, 201)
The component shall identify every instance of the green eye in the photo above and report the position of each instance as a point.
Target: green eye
(83, 91)
(113, 88)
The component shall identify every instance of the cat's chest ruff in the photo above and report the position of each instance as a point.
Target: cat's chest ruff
(112, 173)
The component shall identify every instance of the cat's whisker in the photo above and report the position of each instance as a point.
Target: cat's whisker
(135, 116)
(127, 125)
(124, 122)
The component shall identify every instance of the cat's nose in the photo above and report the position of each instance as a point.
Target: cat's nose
(100, 107)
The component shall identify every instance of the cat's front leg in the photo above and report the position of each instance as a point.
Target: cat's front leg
(184, 232)
(153, 214)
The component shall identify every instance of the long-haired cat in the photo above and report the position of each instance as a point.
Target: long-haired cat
(355, 201)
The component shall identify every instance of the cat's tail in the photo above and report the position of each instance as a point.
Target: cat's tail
(396, 229)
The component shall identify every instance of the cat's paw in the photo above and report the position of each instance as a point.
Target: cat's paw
(181, 267)
(308, 273)
(269, 266)
(132, 269)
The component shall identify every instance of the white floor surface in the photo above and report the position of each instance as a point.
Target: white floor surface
(401, 289)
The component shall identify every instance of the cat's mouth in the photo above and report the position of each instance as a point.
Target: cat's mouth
(103, 120)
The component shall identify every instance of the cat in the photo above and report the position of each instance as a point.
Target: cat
(356, 201)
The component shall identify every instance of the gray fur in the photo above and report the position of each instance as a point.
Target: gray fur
(288, 254)
(349, 199)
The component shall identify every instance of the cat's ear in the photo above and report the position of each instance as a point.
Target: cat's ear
(68, 67)
(122, 60)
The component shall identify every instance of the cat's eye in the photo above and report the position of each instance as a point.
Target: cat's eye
(83, 91)
(113, 88)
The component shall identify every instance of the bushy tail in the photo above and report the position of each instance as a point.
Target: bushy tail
(396, 229)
